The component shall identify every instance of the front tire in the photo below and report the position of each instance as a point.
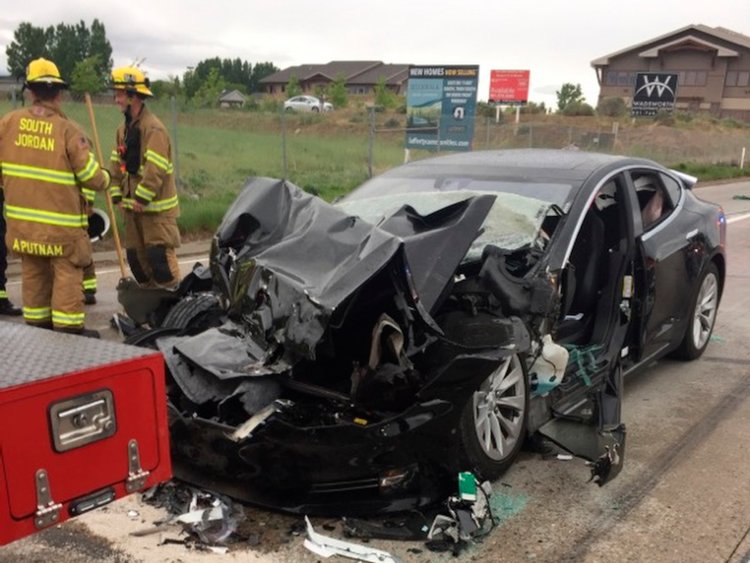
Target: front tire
(492, 427)
(702, 316)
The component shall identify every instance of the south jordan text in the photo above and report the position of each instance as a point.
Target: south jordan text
(30, 134)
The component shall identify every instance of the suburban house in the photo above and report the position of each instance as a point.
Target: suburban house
(231, 99)
(361, 76)
(712, 64)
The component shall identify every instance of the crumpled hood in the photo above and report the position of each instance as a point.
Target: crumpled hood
(287, 259)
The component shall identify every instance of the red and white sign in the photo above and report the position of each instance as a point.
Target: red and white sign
(509, 86)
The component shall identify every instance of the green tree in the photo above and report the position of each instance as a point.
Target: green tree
(29, 43)
(383, 95)
(65, 44)
(210, 90)
(292, 87)
(68, 45)
(260, 71)
(86, 76)
(238, 74)
(568, 94)
(167, 88)
(338, 92)
(99, 46)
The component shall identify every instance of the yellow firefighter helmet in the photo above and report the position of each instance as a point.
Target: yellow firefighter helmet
(130, 79)
(43, 72)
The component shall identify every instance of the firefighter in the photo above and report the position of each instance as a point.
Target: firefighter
(46, 161)
(144, 185)
(6, 306)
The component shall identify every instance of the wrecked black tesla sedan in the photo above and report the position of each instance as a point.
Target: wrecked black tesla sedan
(351, 358)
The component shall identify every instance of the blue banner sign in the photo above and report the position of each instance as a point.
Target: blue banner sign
(440, 106)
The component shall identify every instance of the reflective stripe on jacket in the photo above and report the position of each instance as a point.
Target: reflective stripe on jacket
(47, 168)
(153, 186)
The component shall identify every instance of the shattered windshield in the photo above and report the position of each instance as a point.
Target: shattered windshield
(513, 222)
(549, 189)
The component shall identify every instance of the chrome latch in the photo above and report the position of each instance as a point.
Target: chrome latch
(136, 475)
(82, 420)
(47, 510)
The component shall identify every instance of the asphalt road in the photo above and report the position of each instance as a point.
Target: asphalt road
(683, 495)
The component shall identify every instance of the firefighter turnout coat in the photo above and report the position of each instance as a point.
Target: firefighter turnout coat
(141, 166)
(142, 171)
(46, 164)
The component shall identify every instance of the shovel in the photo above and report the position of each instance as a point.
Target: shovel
(110, 209)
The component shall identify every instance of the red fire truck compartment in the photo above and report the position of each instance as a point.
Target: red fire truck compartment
(82, 422)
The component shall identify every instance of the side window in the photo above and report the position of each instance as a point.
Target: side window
(653, 199)
(673, 189)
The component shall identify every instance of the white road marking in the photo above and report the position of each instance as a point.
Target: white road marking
(738, 218)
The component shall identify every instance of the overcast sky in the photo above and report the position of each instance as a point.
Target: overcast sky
(553, 39)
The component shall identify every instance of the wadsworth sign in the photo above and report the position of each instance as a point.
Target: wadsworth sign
(654, 92)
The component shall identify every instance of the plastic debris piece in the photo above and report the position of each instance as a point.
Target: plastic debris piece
(325, 546)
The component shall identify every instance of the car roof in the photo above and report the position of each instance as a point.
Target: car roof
(570, 164)
(539, 165)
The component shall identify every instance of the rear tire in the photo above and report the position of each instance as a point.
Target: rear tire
(492, 427)
(702, 315)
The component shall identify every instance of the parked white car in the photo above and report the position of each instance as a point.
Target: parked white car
(307, 103)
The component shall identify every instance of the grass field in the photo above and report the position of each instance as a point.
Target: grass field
(328, 155)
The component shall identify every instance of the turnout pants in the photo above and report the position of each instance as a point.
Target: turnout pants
(150, 242)
(51, 289)
(89, 279)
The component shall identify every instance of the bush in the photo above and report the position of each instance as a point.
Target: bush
(664, 117)
(485, 110)
(271, 105)
(532, 108)
(612, 107)
(578, 109)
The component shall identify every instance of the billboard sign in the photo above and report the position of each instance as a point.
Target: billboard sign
(509, 86)
(654, 92)
(440, 106)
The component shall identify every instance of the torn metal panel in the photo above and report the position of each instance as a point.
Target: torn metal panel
(604, 450)
(196, 383)
(227, 352)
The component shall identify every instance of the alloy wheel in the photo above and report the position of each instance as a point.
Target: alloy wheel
(499, 406)
(705, 310)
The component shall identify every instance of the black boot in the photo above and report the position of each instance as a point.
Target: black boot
(7, 308)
